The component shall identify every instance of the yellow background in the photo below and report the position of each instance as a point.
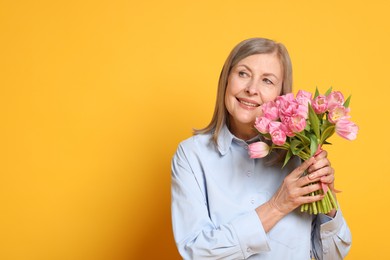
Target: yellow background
(96, 95)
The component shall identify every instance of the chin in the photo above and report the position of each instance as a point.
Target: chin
(247, 122)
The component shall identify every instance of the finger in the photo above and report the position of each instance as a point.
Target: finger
(319, 173)
(309, 179)
(321, 155)
(309, 189)
(327, 178)
(310, 199)
(318, 164)
(301, 168)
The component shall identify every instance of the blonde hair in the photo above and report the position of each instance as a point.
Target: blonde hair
(242, 50)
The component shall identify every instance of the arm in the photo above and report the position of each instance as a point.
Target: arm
(290, 195)
(196, 236)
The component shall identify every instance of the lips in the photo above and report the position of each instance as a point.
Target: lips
(247, 102)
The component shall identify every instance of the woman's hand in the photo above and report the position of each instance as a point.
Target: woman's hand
(321, 170)
(289, 196)
(291, 193)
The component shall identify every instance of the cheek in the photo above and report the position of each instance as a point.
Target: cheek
(229, 99)
(231, 87)
(231, 91)
(270, 94)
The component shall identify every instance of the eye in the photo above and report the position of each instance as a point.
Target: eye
(243, 74)
(267, 81)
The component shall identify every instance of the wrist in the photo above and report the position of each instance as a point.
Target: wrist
(275, 208)
(269, 215)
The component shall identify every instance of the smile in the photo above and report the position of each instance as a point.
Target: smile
(248, 103)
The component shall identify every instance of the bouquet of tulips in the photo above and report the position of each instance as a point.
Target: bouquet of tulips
(301, 125)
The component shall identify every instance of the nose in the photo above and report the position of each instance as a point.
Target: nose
(252, 88)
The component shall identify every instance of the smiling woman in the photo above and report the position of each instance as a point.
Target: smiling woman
(228, 205)
(255, 80)
(236, 60)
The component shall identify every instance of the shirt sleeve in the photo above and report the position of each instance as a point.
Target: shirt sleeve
(195, 234)
(331, 237)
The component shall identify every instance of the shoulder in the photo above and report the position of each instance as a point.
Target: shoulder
(192, 153)
(196, 143)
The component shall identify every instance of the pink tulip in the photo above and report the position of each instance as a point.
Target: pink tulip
(285, 126)
(262, 123)
(274, 125)
(334, 99)
(337, 113)
(270, 110)
(258, 150)
(282, 102)
(278, 137)
(346, 129)
(284, 98)
(302, 110)
(320, 104)
(287, 108)
(278, 133)
(303, 97)
(297, 123)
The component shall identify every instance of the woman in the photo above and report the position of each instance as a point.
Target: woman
(228, 206)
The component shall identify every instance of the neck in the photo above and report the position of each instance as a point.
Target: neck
(244, 132)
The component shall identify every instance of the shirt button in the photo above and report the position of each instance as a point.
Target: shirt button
(325, 249)
(248, 173)
(248, 250)
(253, 201)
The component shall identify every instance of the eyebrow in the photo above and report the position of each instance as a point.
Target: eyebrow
(270, 74)
(265, 74)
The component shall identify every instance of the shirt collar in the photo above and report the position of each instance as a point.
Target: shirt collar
(225, 139)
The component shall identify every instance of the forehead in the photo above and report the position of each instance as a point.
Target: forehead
(269, 61)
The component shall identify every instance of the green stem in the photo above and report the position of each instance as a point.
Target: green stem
(327, 204)
(315, 211)
(322, 206)
(332, 199)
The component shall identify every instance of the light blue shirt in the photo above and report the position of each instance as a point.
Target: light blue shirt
(215, 191)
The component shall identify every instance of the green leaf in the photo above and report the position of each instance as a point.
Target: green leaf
(313, 144)
(296, 146)
(325, 124)
(316, 93)
(304, 139)
(346, 103)
(328, 132)
(328, 91)
(314, 122)
(267, 136)
(288, 156)
(307, 127)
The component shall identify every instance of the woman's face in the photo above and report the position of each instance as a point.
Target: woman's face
(253, 81)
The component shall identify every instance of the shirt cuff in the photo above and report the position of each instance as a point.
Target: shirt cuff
(330, 226)
(251, 234)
